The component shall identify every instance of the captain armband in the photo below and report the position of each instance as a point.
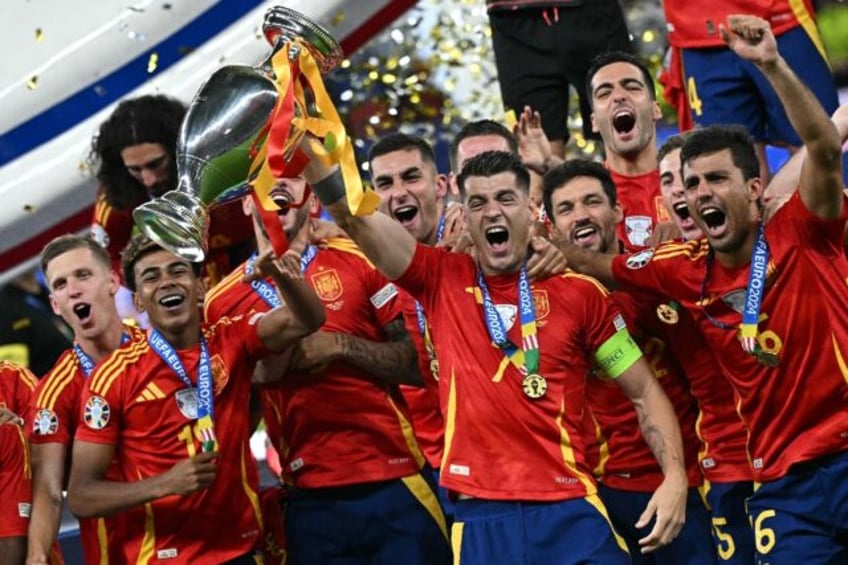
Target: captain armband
(617, 354)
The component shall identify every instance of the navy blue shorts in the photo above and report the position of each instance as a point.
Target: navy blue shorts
(732, 531)
(398, 521)
(803, 517)
(693, 545)
(566, 532)
(724, 89)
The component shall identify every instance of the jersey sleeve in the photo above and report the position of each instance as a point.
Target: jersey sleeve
(15, 482)
(384, 297)
(243, 330)
(826, 236)
(112, 229)
(645, 272)
(424, 274)
(53, 410)
(101, 406)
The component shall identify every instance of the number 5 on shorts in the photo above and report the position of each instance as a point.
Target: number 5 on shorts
(726, 547)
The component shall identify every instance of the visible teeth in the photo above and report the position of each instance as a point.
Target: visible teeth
(82, 310)
(583, 232)
(405, 213)
(171, 300)
(497, 234)
(681, 210)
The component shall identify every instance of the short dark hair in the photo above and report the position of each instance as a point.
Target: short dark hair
(571, 169)
(717, 138)
(140, 246)
(610, 57)
(146, 119)
(673, 143)
(480, 128)
(491, 163)
(402, 142)
(68, 242)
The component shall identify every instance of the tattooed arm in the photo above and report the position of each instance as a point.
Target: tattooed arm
(662, 434)
(392, 361)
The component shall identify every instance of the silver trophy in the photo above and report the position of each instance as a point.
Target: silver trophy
(223, 130)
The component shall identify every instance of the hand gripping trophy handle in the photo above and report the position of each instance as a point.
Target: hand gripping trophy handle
(231, 134)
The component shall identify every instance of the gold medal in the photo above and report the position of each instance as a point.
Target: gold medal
(667, 314)
(767, 359)
(434, 368)
(534, 385)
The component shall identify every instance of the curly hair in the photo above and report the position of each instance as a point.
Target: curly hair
(146, 119)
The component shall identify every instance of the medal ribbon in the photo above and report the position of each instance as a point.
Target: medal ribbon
(526, 359)
(266, 291)
(754, 294)
(423, 326)
(205, 391)
(86, 362)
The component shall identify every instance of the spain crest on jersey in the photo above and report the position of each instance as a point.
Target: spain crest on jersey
(220, 374)
(45, 423)
(540, 302)
(96, 413)
(328, 285)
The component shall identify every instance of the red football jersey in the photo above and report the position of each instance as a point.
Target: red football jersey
(626, 461)
(344, 426)
(134, 401)
(642, 206)
(723, 456)
(794, 412)
(16, 386)
(695, 24)
(423, 401)
(499, 443)
(54, 417)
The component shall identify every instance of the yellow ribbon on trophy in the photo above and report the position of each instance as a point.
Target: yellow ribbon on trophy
(327, 126)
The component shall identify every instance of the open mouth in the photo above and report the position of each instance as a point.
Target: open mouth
(172, 301)
(714, 219)
(624, 121)
(681, 210)
(82, 311)
(283, 200)
(584, 235)
(497, 237)
(405, 214)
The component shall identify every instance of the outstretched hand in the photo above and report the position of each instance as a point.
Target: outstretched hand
(668, 506)
(534, 147)
(751, 38)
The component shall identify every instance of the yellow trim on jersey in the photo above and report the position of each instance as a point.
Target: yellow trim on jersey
(450, 418)
(603, 449)
(595, 501)
(23, 373)
(456, 541)
(103, 541)
(705, 445)
(808, 22)
(408, 433)
(420, 489)
(843, 368)
(345, 245)
(704, 490)
(228, 282)
(114, 366)
(251, 494)
(567, 450)
(573, 275)
(27, 470)
(102, 210)
(57, 379)
(148, 542)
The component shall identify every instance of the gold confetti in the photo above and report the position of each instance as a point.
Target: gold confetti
(152, 63)
(338, 18)
(39, 35)
(32, 83)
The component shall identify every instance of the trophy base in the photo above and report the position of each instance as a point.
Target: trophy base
(178, 222)
(284, 24)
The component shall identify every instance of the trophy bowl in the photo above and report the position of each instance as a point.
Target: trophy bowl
(284, 24)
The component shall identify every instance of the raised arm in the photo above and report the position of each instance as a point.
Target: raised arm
(303, 312)
(386, 243)
(821, 173)
(588, 262)
(90, 494)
